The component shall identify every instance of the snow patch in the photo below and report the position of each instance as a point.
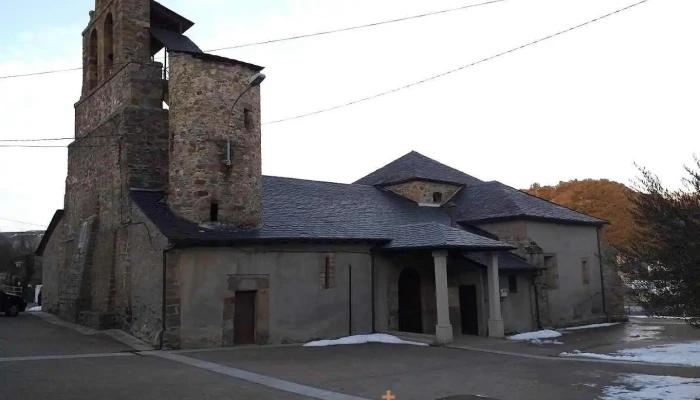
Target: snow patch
(538, 335)
(538, 341)
(652, 387)
(37, 308)
(362, 339)
(592, 326)
(676, 354)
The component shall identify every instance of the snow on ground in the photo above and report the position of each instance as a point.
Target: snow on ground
(535, 336)
(362, 339)
(538, 341)
(575, 328)
(676, 354)
(653, 387)
(37, 308)
(658, 317)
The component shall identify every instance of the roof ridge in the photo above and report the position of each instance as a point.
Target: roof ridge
(317, 181)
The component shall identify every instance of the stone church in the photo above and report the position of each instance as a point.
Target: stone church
(171, 233)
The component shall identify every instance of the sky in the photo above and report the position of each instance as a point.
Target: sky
(587, 104)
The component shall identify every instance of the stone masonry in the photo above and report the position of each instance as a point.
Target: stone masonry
(121, 141)
(422, 191)
(202, 90)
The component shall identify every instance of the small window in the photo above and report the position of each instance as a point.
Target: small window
(214, 212)
(585, 271)
(437, 197)
(552, 274)
(248, 119)
(512, 283)
(327, 272)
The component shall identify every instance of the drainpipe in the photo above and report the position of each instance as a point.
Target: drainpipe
(374, 330)
(602, 283)
(350, 299)
(162, 329)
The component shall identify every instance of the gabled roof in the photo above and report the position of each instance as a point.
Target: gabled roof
(492, 201)
(438, 236)
(416, 166)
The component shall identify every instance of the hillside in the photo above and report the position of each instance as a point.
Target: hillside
(600, 198)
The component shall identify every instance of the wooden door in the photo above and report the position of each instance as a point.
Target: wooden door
(244, 317)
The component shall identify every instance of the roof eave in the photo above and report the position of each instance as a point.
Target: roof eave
(449, 247)
(601, 222)
(232, 242)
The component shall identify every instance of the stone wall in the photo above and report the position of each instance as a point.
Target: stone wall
(614, 288)
(140, 278)
(422, 191)
(202, 91)
(137, 84)
(51, 261)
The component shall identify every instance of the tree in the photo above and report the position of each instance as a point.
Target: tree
(601, 198)
(661, 262)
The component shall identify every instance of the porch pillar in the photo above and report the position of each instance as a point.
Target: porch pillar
(443, 329)
(496, 328)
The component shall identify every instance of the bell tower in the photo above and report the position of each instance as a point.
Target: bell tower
(118, 32)
(121, 142)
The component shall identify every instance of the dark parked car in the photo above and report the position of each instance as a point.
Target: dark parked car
(11, 304)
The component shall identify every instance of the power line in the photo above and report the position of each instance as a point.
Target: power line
(426, 79)
(22, 222)
(59, 138)
(356, 27)
(453, 70)
(307, 35)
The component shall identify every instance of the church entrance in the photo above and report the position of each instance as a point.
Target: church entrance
(410, 318)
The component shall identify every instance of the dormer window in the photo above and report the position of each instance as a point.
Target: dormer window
(437, 197)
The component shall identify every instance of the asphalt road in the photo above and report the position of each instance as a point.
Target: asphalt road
(39, 360)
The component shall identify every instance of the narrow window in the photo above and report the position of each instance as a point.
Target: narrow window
(108, 47)
(585, 271)
(92, 61)
(512, 283)
(214, 212)
(550, 262)
(248, 119)
(327, 272)
(437, 197)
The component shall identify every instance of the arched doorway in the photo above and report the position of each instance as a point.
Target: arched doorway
(410, 318)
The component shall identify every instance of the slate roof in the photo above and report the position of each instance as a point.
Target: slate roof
(435, 235)
(416, 166)
(506, 261)
(295, 209)
(491, 201)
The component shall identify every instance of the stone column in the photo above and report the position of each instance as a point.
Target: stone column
(443, 329)
(496, 328)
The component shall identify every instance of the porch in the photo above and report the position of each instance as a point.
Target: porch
(447, 293)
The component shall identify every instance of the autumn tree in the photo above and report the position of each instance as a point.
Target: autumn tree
(661, 262)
